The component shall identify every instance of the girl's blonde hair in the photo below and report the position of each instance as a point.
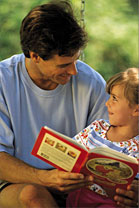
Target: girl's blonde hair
(130, 80)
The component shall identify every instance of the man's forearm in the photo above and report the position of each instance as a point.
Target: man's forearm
(15, 170)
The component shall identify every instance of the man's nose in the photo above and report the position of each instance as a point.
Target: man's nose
(72, 69)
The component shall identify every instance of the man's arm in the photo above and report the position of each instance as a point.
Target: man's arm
(16, 171)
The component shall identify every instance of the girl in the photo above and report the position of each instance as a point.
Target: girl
(121, 131)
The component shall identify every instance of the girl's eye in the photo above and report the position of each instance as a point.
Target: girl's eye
(114, 98)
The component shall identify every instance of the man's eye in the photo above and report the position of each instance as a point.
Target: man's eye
(64, 66)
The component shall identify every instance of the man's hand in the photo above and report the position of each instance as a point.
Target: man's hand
(128, 198)
(63, 181)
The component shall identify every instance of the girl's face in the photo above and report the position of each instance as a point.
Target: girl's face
(120, 113)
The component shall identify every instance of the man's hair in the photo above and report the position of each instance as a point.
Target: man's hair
(51, 29)
(130, 81)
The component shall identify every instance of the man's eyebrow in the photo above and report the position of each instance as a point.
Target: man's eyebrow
(67, 64)
(64, 65)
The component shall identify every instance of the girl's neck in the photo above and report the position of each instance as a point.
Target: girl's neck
(121, 133)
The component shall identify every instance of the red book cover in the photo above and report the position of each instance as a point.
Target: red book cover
(109, 171)
(59, 150)
(110, 168)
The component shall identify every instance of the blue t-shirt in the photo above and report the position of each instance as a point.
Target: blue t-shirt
(25, 108)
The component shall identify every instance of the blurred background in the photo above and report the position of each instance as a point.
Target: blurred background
(112, 27)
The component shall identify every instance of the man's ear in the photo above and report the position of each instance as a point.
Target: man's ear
(136, 110)
(34, 57)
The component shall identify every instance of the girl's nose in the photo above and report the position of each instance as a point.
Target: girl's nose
(107, 102)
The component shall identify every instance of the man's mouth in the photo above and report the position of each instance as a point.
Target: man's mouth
(65, 76)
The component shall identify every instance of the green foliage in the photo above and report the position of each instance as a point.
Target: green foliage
(113, 35)
(112, 28)
(11, 15)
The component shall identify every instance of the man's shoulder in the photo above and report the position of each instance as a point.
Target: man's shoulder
(86, 72)
(10, 64)
(11, 61)
(10, 68)
(81, 66)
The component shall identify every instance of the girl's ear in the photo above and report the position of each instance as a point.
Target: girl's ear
(34, 56)
(136, 110)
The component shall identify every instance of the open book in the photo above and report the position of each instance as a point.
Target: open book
(109, 167)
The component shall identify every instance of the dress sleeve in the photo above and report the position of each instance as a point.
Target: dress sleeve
(83, 136)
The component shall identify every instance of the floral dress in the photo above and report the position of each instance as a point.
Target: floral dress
(95, 135)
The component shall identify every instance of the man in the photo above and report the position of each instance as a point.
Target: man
(46, 85)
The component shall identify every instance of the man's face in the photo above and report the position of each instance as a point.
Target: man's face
(57, 70)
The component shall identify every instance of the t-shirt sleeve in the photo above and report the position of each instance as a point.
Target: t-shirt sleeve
(6, 133)
(97, 108)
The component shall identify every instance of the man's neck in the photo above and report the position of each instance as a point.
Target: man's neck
(45, 84)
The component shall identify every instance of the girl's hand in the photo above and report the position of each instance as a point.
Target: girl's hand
(128, 198)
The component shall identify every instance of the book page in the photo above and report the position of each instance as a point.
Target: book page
(66, 138)
(58, 152)
(113, 153)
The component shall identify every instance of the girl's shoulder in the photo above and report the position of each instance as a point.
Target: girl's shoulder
(101, 124)
(100, 127)
(131, 146)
